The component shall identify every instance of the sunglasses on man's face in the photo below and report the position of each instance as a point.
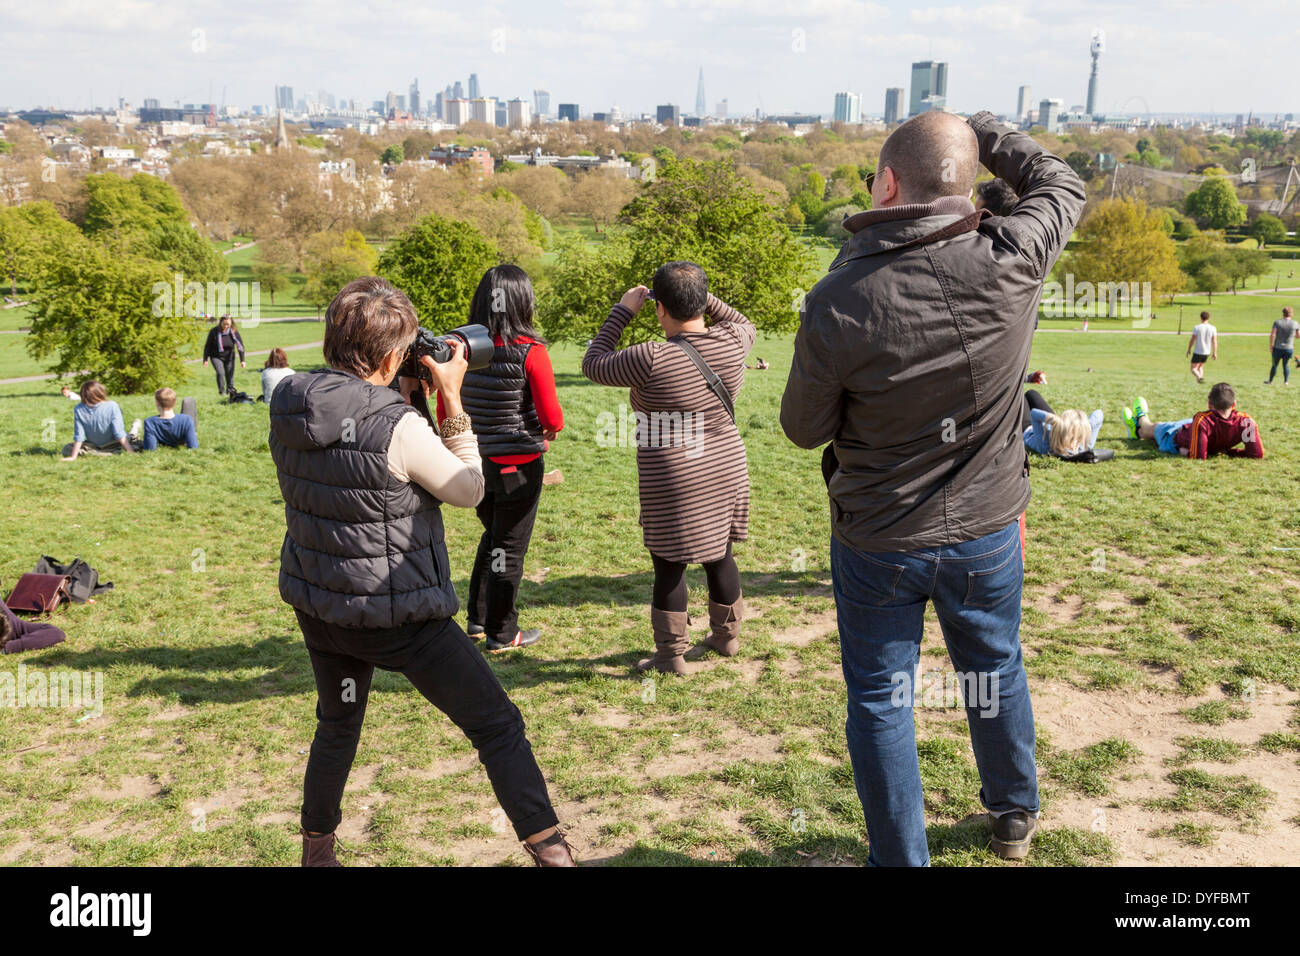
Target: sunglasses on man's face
(870, 180)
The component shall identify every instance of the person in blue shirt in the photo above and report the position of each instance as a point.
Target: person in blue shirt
(1063, 435)
(168, 428)
(97, 425)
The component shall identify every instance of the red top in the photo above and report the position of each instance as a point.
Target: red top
(541, 382)
(1210, 433)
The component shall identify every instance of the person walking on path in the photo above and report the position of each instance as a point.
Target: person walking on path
(1281, 342)
(1203, 345)
(224, 341)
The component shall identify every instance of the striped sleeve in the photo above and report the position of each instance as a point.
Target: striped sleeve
(606, 364)
(723, 314)
(1198, 441)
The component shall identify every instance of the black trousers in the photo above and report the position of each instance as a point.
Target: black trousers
(669, 592)
(445, 666)
(507, 512)
(224, 365)
(1032, 400)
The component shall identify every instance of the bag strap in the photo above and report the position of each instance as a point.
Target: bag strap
(710, 376)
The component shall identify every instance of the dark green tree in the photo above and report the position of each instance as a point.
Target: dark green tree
(438, 263)
(705, 212)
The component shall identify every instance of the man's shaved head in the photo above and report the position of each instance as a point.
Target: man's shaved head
(934, 154)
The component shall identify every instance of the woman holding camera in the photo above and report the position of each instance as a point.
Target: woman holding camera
(221, 347)
(515, 413)
(364, 563)
(694, 483)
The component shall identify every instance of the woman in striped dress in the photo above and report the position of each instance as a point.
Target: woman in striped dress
(694, 483)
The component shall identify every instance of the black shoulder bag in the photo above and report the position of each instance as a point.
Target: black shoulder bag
(710, 376)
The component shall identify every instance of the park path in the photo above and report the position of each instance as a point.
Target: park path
(46, 378)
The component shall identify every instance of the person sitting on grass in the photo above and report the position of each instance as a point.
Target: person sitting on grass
(97, 426)
(275, 371)
(18, 635)
(168, 428)
(1221, 428)
(1062, 435)
(1203, 345)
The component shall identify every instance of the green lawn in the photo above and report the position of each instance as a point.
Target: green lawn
(208, 709)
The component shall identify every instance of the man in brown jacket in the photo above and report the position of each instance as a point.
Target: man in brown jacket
(910, 358)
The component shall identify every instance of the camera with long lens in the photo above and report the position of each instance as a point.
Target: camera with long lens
(477, 343)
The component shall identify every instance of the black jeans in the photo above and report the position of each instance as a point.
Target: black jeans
(1032, 400)
(507, 511)
(224, 365)
(445, 666)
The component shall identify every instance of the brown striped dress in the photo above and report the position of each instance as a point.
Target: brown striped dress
(694, 482)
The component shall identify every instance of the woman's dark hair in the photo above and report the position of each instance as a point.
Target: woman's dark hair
(277, 359)
(503, 302)
(682, 289)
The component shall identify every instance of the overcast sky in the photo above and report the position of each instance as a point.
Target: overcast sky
(780, 55)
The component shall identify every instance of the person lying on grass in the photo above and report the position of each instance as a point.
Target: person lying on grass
(1067, 433)
(1219, 429)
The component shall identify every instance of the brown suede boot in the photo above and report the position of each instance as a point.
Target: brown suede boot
(724, 633)
(553, 851)
(671, 640)
(319, 850)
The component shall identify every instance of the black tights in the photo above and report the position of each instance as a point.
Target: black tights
(670, 582)
(1033, 400)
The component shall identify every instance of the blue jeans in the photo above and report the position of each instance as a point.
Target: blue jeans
(880, 601)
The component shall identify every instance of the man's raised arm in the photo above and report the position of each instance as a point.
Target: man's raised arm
(1051, 193)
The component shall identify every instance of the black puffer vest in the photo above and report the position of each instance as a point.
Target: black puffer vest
(500, 404)
(362, 549)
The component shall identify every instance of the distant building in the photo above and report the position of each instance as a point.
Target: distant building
(414, 98)
(568, 111)
(699, 95)
(1049, 112)
(542, 102)
(284, 97)
(437, 105)
(794, 120)
(848, 108)
(483, 110)
(600, 117)
(473, 87)
(720, 109)
(893, 104)
(668, 115)
(929, 87)
(455, 155)
(458, 90)
(519, 113)
(1024, 103)
(457, 112)
(150, 104)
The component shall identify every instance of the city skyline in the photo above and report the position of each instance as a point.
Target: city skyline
(775, 55)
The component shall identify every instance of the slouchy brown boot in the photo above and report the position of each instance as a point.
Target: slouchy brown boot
(724, 630)
(671, 640)
(318, 850)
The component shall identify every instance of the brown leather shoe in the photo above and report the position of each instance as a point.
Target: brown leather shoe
(553, 851)
(724, 630)
(319, 850)
(671, 640)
